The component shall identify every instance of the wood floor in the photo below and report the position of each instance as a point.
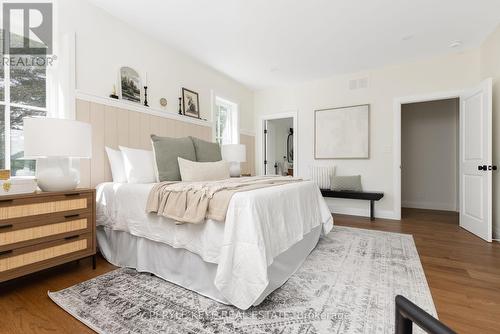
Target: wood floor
(463, 273)
(462, 270)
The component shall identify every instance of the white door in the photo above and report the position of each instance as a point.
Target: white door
(266, 147)
(270, 147)
(476, 160)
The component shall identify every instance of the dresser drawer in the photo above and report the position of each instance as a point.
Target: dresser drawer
(45, 229)
(38, 256)
(56, 226)
(20, 209)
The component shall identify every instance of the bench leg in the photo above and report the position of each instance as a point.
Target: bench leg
(372, 210)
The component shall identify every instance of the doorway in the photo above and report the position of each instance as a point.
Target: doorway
(475, 164)
(280, 144)
(430, 155)
(279, 147)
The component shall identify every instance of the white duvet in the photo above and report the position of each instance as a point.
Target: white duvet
(260, 225)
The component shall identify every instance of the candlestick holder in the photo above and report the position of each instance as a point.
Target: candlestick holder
(113, 93)
(146, 96)
(180, 104)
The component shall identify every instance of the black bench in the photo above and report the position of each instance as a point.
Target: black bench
(369, 196)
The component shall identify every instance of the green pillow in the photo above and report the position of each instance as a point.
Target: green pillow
(206, 151)
(166, 151)
(346, 183)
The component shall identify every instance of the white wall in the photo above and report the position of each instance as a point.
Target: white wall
(104, 44)
(490, 67)
(429, 155)
(442, 74)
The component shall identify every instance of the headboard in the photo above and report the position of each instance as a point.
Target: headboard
(118, 124)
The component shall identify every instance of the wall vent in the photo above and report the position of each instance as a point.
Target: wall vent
(359, 83)
(353, 84)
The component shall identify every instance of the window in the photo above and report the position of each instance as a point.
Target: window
(226, 122)
(23, 92)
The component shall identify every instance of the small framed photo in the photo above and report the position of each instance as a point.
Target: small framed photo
(130, 84)
(190, 103)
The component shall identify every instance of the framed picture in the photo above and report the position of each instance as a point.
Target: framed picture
(130, 84)
(342, 133)
(190, 103)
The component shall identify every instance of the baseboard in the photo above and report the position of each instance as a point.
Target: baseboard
(382, 214)
(429, 205)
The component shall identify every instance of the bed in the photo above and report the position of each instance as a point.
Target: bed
(266, 236)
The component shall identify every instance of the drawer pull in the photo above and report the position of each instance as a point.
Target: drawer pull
(6, 200)
(72, 194)
(5, 252)
(6, 226)
(72, 216)
(71, 237)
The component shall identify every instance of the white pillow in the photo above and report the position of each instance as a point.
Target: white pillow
(203, 171)
(116, 164)
(139, 165)
(322, 175)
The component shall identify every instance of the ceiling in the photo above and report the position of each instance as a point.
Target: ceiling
(263, 43)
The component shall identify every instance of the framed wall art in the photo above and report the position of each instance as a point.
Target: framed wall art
(130, 84)
(190, 103)
(342, 133)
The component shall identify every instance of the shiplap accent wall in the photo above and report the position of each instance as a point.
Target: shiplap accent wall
(113, 126)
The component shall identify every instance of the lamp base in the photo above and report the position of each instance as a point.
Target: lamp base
(234, 169)
(56, 174)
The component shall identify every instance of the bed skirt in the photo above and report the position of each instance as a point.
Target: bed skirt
(186, 269)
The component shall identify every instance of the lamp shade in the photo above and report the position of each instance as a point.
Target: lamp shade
(54, 137)
(234, 153)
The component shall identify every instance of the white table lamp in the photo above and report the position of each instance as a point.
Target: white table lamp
(234, 154)
(53, 142)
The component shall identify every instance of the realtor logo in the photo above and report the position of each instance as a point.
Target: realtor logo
(27, 28)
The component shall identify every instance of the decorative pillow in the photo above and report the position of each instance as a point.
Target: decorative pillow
(203, 171)
(166, 151)
(322, 175)
(139, 165)
(346, 183)
(206, 151)
(116, 164)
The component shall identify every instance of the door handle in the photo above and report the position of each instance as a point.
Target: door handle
(486, 168)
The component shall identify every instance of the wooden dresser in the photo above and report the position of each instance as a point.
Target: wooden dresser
(42, 230)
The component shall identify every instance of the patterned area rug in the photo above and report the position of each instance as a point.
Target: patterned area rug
(346, 285)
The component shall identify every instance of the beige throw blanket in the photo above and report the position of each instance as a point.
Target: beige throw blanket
(192, 202)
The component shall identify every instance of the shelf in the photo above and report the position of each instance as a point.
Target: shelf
(117, 103)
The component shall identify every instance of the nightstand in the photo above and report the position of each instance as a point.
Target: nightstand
(45, 229)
